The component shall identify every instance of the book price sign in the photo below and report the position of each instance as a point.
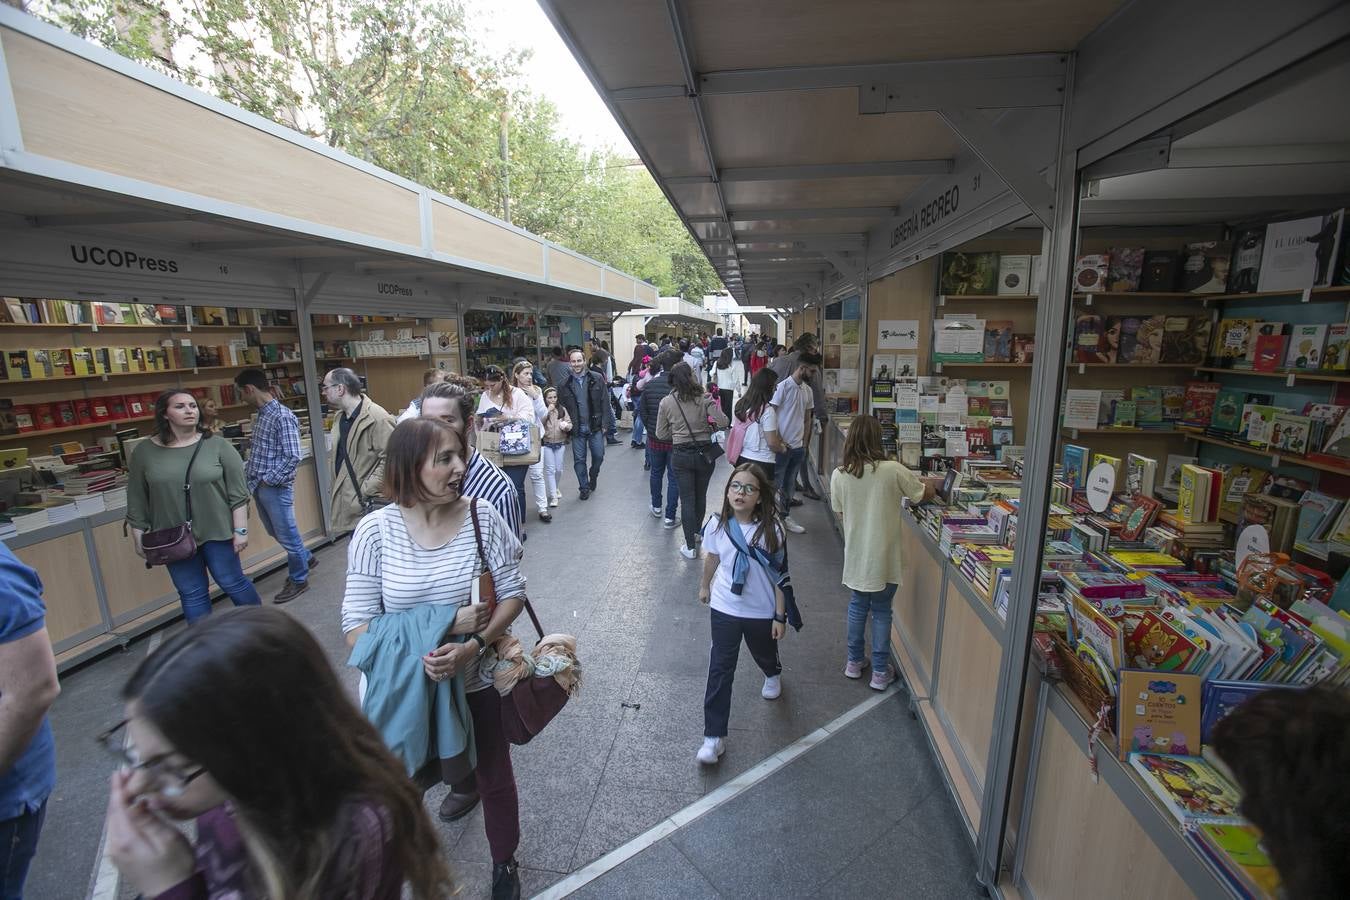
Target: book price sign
(1101, 484)
(1253, 539)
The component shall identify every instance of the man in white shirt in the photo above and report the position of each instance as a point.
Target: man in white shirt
(792, 403)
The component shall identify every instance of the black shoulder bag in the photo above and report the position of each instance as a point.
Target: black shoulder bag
(167, 545)
(709, 450)
(368, 504)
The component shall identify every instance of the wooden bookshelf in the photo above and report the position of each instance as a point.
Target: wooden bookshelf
(1322, 294)
(1126, 367)
(1142, 295)
(946, 298)
(1299, 374)
(1284, 458)
(1132, 432)
(69, 429)
(983, 365)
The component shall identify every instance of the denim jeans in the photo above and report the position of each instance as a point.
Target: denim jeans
(276, 508)
(580, 444)
(878, 605)
(693, 475)
(18, 844)
(662, 464)
(637, 427)
(727, 634)
(194, 591)
(517, 475)
(785, 478)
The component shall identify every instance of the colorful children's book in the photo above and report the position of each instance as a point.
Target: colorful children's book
(1233, 338)
(1158, 645)
(1148, 405)
(1199, 402)
(1075, 459)
(1268, 352)
(1172, 471)
(1089, 340)
(1191, 789)
(1140, 515)
(1336, 356)
(1140, 474)
(1235, 851)
(1219, 698)
(1227, 415)
(1289, 433)
(1158, 713)
(1306, 343)
(1173, 402)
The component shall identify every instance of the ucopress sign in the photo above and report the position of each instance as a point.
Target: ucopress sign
(89, 255)
(393, 287)
(928, 215)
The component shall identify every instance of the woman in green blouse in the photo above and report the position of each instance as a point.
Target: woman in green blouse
(219, 502)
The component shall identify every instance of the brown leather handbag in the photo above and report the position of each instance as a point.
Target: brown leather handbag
(166, 545)
(534, 701)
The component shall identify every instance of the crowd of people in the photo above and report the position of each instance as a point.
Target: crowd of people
(239, 723)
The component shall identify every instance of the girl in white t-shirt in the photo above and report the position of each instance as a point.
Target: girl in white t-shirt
(746, 602)
(761, 420)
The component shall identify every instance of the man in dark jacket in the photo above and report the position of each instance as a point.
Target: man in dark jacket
(584, 395)
(717, 344)
(659, 454)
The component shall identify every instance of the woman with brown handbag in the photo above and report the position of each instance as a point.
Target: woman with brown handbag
(422, 549)
(185, 476)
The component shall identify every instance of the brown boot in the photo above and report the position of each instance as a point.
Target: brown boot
(457, 806)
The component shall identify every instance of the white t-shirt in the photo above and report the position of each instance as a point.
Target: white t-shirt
(756, 446)
(756, 600)
(791, 401)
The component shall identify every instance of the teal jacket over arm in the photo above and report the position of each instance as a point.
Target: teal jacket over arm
(420, 720)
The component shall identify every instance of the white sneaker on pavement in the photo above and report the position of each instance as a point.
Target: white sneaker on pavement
(711, 751)
(669, 523)
(791, 525)
(688, 552)
(656, 512)
(773, 687)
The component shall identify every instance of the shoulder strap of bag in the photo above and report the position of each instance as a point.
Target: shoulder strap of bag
(187, 476)
(679, 404)
(487, 570)
(351, 473)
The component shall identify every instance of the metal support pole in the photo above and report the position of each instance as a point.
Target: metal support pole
(1047, 381)
(313, 400)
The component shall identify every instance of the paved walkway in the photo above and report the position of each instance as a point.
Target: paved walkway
(620, 759)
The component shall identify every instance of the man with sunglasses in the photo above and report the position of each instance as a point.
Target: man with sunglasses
(28, 687)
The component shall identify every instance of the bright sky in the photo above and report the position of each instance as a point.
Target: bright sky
(552, 72)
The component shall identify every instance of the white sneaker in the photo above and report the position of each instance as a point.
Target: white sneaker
(670, 523)
(555, 500)
(711, 751)
(656, 512)
(791, 525)
(688, 552)
(773, 687)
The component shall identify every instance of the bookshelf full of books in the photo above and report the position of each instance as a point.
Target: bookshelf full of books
(390, 352)
(80, 380)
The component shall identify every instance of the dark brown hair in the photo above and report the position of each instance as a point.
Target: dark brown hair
(758, 395)
(862, 446)
(250, 696)
(1289, 751)
(409, 446)
(683, 384)
(766, 506)
(163, 430)
(456, 391)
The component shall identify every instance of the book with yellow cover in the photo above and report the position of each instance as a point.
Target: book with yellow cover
(82, 360)
(62, 365)
(1113, 461)
(1193, 495)
(1158, 712)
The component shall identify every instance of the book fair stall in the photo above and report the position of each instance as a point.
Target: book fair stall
(1102, 293)
(177, 244)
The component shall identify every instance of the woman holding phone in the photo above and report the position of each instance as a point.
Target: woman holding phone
(421, 549)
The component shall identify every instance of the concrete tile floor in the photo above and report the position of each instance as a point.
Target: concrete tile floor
(621, 757)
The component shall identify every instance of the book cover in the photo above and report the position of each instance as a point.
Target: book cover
(1173, 402)
(1236, 850)
(1113, 461)
(1269, 352)
(1139, 515)
(998, 339)
(1192, 494)
(1074, 459)
(1158, 713)
(63, 365)
(1299, 253)
(969, 273)
(1260, 419)
(1238, 481)
(1185, 339)
(1336, 356)
(1218, 698)
(1289, 433)
(1158, 645)
(1245, 270)
(1172, 470)
(1089, 274)
(1125, 268)
(1191, 789)
(1160, 271)
(1106, 414)
(1233, 337)
(1014, 274)
(1148, 404)
(1125, 414)
(1277, 515)
(1227, 415)
(1098, 630)
(1140, 473)
(1089, 340)
(1305, 346)
(1204, 269)
(1199, 402)
(1024, 348)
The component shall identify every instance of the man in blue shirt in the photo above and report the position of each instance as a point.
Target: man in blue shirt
(28, 687)
(274, 454)
(583, 395)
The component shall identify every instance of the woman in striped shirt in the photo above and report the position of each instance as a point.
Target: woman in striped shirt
(421, 549)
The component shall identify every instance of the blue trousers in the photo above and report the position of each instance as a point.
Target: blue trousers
(194, 591)
(785, 478)
(637, 428)
(18, 844)
(877, 606)
(580, 444)
(276, 508)
(664, 465)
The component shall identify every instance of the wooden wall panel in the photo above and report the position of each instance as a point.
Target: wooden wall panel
(916, 602)
(467, 236)
(130, 585)
(74, 110)
(564, 268)
(67, 584)
(968, 678)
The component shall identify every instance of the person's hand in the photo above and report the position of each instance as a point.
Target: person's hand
(240, 543)
(152, 854)
(778, 630)
(471, 618)
(703, 596)
(448, 660)
(815, 426)
(140, 551)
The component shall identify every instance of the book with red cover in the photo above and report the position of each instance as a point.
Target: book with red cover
(84, 411)
(117, 407)
(1198, 408)
(65, 414)
(1143, 510)
(1268, 352)
(98, 408)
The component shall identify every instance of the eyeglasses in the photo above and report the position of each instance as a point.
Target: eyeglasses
(740, 487)
(165, 777)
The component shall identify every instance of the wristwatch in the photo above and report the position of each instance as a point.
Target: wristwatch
(781, 620)
(242, 532)
(482, 644)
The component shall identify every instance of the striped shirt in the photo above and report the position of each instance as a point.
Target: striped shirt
(485, 481)
(274, 447)
(387, 571)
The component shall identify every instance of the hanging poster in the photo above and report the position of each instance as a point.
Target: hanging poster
(898, 334)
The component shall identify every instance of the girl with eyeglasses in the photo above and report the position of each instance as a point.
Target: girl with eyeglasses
(744, 582)
(241, 724)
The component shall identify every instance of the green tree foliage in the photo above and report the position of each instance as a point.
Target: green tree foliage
(402, 84)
